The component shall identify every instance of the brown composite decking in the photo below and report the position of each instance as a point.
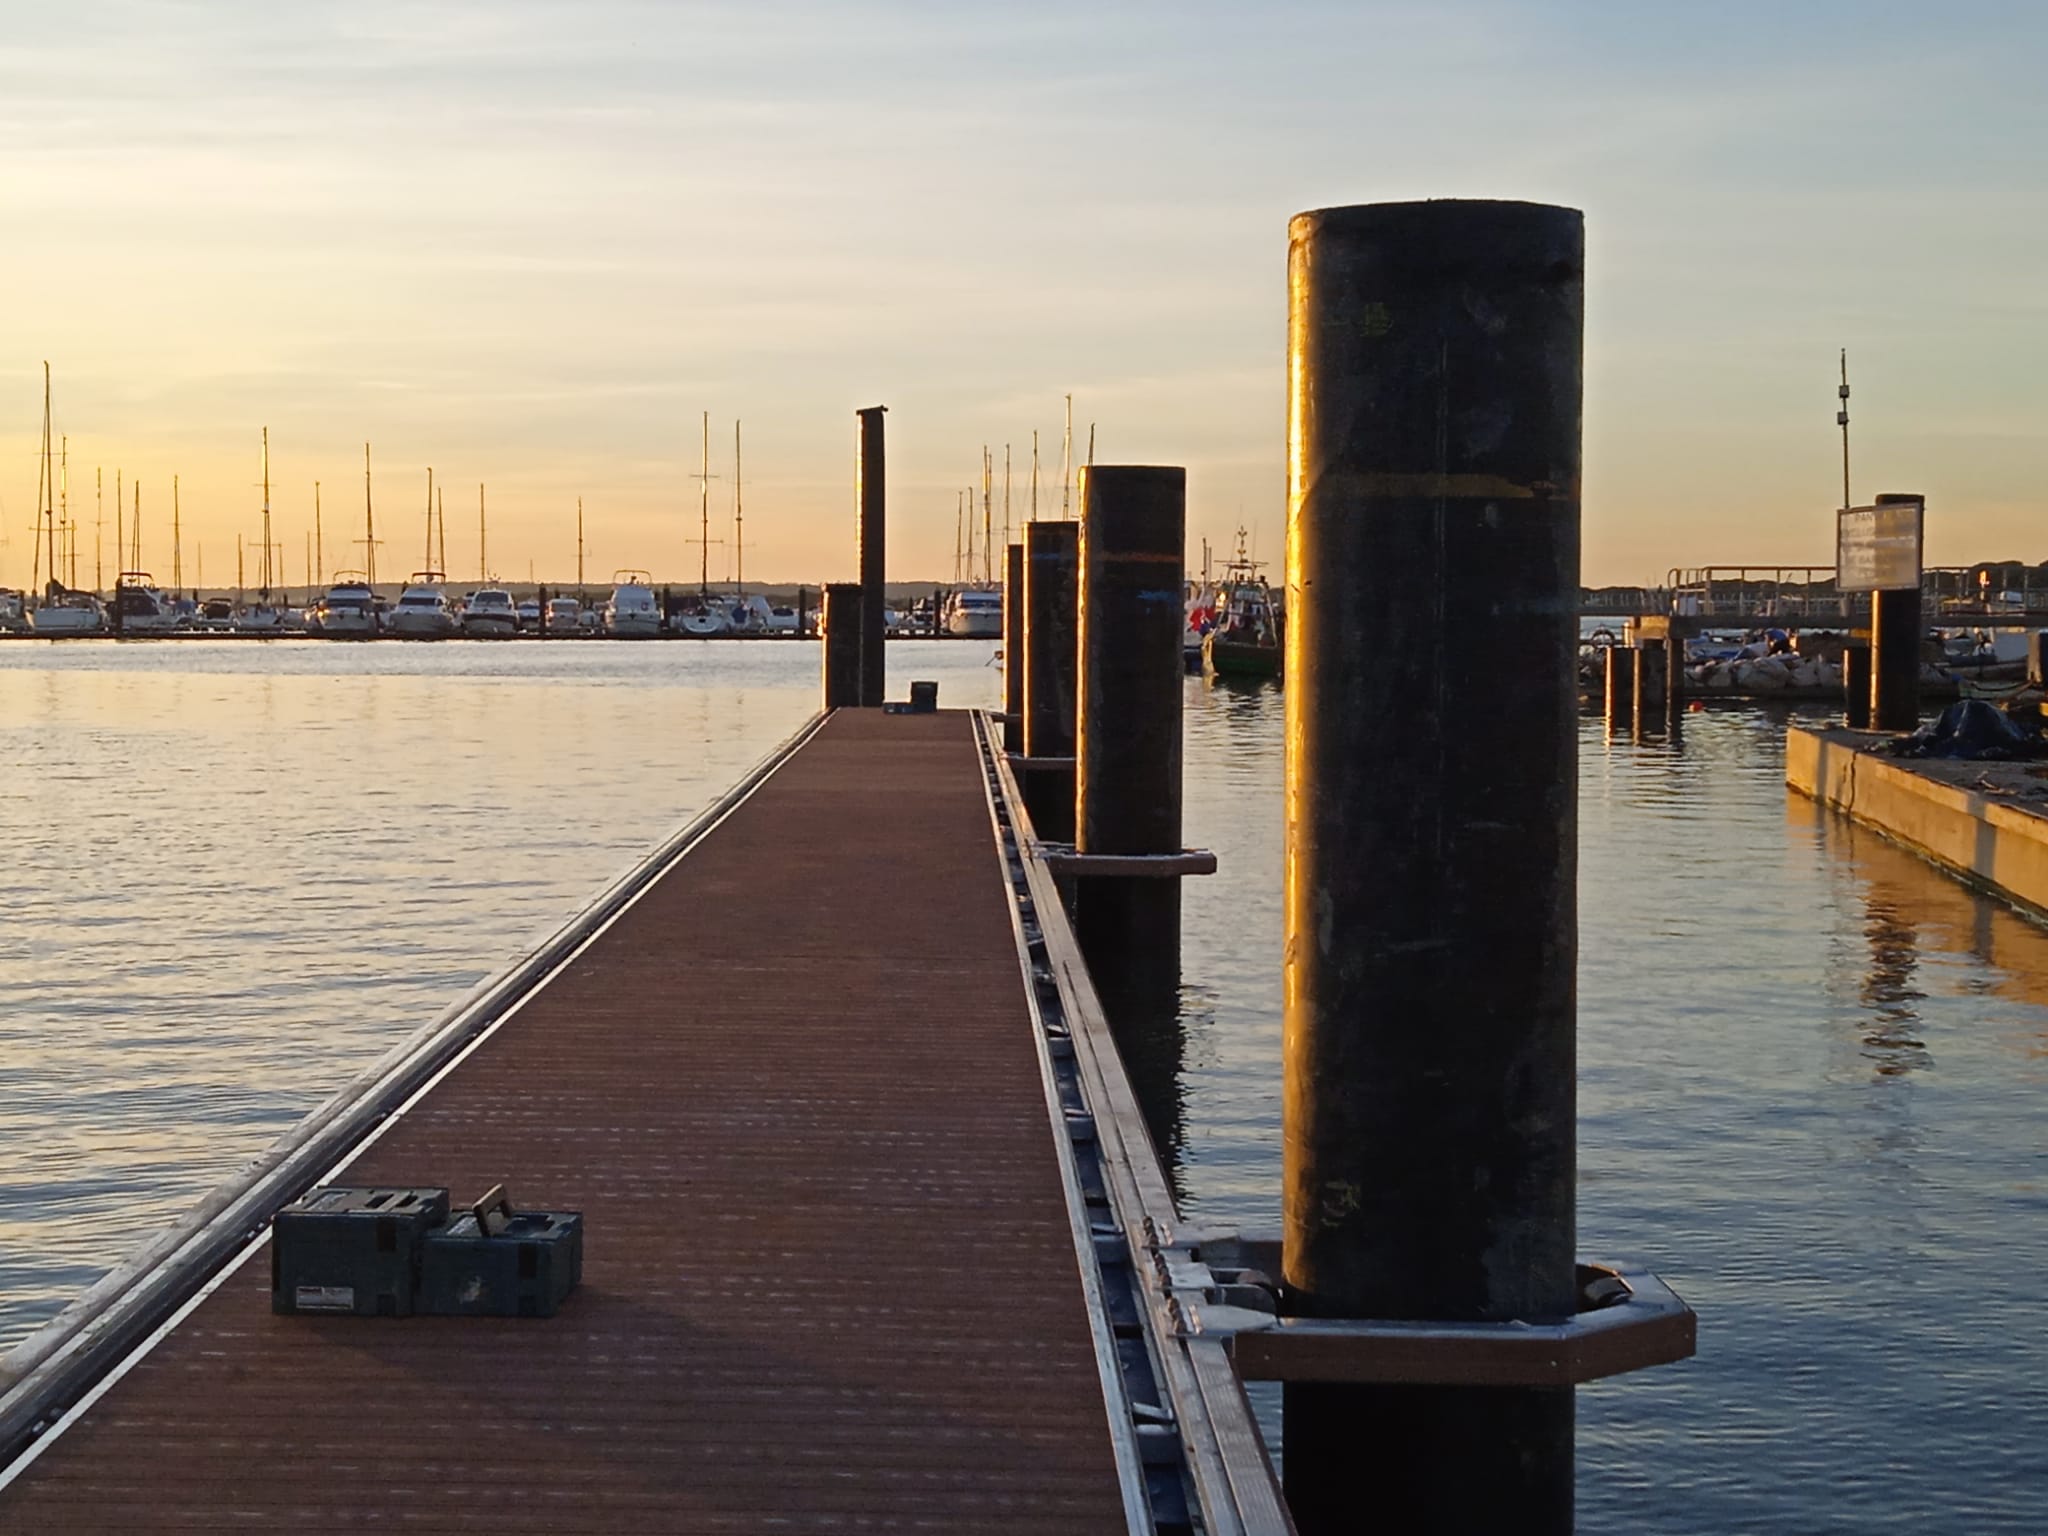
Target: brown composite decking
(829, 1279)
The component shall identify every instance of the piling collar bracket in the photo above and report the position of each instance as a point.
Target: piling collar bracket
(1221, 1286)
(1062, 859)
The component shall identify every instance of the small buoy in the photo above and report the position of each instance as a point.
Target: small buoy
(1696, 708)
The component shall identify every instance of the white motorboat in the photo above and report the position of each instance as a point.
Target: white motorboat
(975, 612)
(140, 608)
(13, 611)
(632, 612)
(565, 616)
(781, 620)
(348, 611)
(490, 614)
(422, 611)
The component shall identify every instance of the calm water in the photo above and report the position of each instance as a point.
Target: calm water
(1813, 1071)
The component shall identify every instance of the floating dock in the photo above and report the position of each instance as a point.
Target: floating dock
(864, 1201)
(1985, 821)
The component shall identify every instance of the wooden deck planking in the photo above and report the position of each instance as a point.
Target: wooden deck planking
(829, 1280)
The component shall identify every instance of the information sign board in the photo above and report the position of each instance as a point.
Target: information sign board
(1877, 549)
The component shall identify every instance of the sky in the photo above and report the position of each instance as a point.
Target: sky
(531, 244)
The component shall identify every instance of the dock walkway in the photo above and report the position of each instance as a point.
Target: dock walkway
(830, 1279)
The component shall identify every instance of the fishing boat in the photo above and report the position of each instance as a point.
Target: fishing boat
(1248, 633)
(140, 608)
(632, 612)
(422, 612)
(490, 614)
(975, 613)
(348, 611)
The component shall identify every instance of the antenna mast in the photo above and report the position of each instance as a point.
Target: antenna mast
(1842, 421)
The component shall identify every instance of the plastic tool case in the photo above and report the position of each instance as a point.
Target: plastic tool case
(352, 1252)
(493, 1261)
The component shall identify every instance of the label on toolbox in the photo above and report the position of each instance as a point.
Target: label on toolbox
(325, 1298)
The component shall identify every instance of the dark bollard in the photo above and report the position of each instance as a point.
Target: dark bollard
(840, 617)
(1013, 647)
(1051, 577)
(1895, 635)
(871, 475)
(1621, 684)
(540, 620)
(1128, 788)
(1856, 687)
(803, 610)
(1429, 1124)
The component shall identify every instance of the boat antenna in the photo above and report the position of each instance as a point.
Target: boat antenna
(178, 532)
(1842, 421)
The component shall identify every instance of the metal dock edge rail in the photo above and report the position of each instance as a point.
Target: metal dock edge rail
(49, 1372)
(1188, 1448)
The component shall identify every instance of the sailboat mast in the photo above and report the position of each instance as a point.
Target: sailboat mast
(135, 532)
(988, 526)
(427, 556)
(1006, 498)
(579, 544)
(43, 514)
(441, 530)
(319, 546)
(369, 526)
(483, 542)
(178, 534)
(64, 505)
(120, 528)
(959, 513)
(1067, 464)
(739, 522)
(704, 514)
(1034, 474)
(99, 523)
(266, 516)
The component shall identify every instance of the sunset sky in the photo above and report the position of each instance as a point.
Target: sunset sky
(529, 243)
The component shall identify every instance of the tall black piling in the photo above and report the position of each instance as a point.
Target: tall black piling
(1128, 752)
(1429, 1122)
(871, 475)
(1013, 648)
(840, 618)
(1856, 687)
(1895, 636)
(540, 612)
(1051, 580)
(803, 610)
(1674, 678)
(1620, 678)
